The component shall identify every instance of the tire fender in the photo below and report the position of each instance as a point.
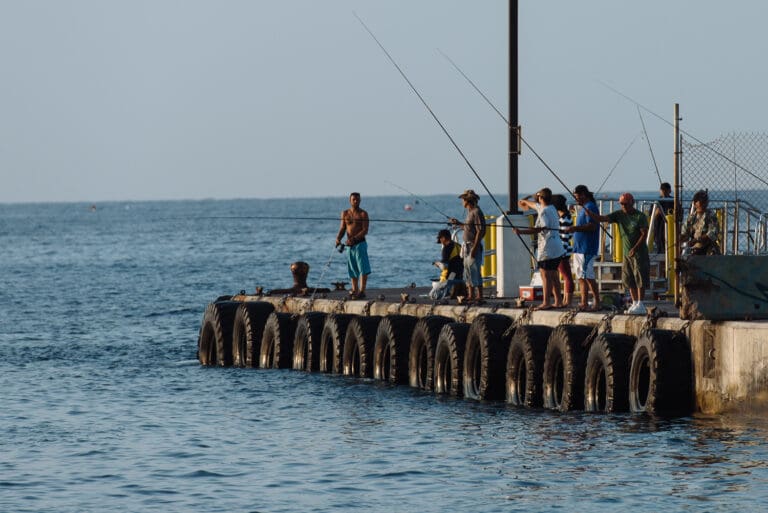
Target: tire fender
(214, 343)
(421, 355)
(449, 358)
(357, 358)
(525, 365)
(606, 376)
(306, 341)
(332, 342)
(391, 347)
(661, 376)
(485, 358)
(563, 375)
(247, 332)
(277, 341)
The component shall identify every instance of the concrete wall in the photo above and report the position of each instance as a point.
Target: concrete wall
(730, 362)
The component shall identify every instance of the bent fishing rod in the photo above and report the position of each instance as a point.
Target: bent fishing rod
(693, 137)
(445, 131)
(506, 121)
(503, 117)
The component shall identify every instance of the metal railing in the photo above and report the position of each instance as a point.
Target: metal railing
(743, 227)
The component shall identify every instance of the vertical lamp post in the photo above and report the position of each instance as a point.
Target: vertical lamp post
(513, 143)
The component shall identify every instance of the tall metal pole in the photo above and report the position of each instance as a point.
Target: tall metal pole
(678, 211)
(513, 122)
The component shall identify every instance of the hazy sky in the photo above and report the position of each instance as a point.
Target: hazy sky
(170, 99)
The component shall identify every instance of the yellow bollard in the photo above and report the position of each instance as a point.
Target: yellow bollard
(618, 248)
(671, 243)
(488, 269)
(720, 223)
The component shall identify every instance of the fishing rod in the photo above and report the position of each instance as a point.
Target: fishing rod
(616, 164)
(418, 198)
(307, 218)
(322, 274)
(503, 117)
(693, 137)
(445, 131)
(506, 121)
(650, 148)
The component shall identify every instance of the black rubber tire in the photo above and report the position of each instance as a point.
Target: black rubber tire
(661, 376)
(390, 348)
(306, 341)
(214, 343)
(563, 375)
(357, 358)
(606, 377)
(421, 356)
(485, 358)
(248, 329)
(277, 341)
(525, 365)
(332, 342)
(449, 358)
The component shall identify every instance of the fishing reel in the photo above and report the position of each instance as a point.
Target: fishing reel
(340, 247)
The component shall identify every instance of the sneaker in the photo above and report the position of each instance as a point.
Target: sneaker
(637, 309)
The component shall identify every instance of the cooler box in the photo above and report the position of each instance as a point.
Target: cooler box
(531, 293)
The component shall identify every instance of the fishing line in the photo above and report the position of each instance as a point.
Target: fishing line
(336, 219)
(506, 121)
(322, 274)
(650, 148)
(503, 117)
(706, 145)
(445, 131)
(418, 198)
(617, 163)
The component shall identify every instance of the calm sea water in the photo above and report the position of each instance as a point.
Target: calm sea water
(104, 407)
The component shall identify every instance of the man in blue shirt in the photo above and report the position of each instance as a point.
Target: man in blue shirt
(586, 239)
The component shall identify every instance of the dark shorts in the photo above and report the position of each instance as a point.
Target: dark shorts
(550, 264)
(635, 273)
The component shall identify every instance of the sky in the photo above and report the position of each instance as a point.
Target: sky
(112, 100)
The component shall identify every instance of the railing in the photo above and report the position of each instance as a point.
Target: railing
(743, 228)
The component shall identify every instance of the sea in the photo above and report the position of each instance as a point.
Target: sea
(106, 409)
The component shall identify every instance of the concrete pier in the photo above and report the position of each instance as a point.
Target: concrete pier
(729, 358)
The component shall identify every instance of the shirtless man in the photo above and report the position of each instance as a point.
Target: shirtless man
(354, 221)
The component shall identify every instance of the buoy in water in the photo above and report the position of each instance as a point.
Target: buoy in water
(408, 207)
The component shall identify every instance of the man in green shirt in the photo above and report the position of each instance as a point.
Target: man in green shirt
(633, 226)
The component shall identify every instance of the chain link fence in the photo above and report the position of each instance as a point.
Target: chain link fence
(734, 169)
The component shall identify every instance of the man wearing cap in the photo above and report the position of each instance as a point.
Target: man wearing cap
(450, 257)
(702, 229)
(633, 226)
(450, 264)
(472, 249)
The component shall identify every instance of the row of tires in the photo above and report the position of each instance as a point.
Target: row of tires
(565, 368)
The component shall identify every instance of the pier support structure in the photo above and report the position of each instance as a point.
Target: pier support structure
(513, 261)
